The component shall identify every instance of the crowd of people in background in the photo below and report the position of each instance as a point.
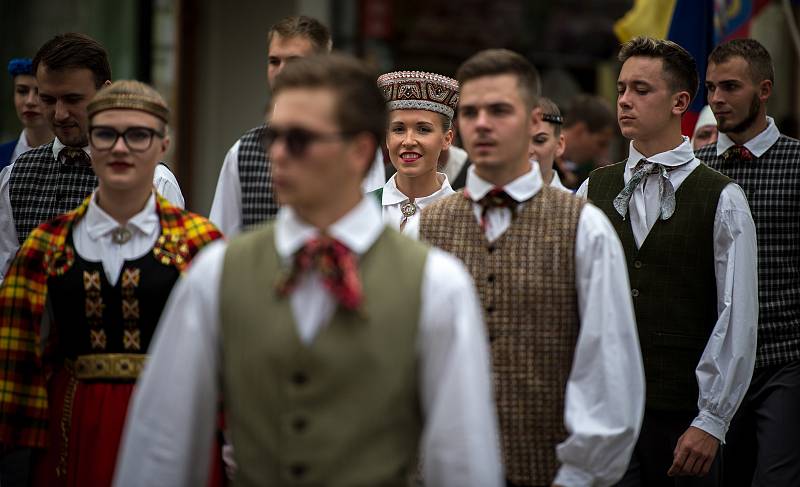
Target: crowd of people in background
(404, 279)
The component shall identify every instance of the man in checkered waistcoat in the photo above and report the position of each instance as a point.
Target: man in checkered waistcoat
(764, 440)
(56, 177)
(244, 196)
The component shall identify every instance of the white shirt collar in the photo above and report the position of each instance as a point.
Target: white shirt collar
(556, 183)
(521, 189)
(99, 223)
(57, 146)
(21, 147)
(758, 145)
(392, 195)
(678, 156)
(357, 230)
(23, 142)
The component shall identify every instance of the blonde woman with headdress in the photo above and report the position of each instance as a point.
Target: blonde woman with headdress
(84, 294)
(421, 108)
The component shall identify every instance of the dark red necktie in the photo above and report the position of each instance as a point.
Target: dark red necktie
(739, 153)
(335, 263)
(73, 156)
(495, 198)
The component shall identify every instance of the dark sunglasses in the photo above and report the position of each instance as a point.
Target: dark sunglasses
(298, 139)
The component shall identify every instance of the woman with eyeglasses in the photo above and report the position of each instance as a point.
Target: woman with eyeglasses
(421, 108)
(84, 294)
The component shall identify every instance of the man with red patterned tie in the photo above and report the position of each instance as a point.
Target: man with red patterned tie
(762, 445)
(551, 276)
(339, 346)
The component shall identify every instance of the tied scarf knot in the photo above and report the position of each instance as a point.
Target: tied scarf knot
(739, 153)
(495, 198)
(75, 157)
(336, 265)
(666, 191)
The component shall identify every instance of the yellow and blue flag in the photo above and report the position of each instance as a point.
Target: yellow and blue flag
(696, 25)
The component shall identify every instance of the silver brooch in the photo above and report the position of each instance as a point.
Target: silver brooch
(408, 209)
(120, 235)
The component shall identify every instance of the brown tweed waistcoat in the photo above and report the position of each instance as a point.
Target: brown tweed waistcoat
(526, 282)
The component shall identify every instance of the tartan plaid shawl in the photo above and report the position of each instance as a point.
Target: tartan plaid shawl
(24, 365)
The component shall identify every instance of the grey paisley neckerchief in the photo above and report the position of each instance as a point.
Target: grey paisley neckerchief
(666, 191)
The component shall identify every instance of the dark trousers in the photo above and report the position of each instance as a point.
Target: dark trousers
(652, 455)
(15, 468)
(763, 445)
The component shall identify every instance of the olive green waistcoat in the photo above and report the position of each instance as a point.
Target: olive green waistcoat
(343, 410)
(526, 282)
(673, 282)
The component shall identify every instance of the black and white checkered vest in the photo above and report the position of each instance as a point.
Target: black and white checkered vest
(41, 188)
(772, 185)
(255, 177)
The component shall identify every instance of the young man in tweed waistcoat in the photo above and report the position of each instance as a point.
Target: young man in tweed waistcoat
(551, 277)
(245, 196)
(56, 177)
(338, 345)
(764, 440)
(689, 241)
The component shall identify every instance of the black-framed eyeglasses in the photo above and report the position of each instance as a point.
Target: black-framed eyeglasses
(298, 139)
(138, 139)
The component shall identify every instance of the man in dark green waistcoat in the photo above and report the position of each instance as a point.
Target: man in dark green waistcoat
(689, 242)
(343, 351)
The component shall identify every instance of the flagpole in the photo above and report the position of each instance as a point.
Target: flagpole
(792, 22)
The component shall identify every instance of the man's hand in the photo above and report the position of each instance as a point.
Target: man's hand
(694, 453)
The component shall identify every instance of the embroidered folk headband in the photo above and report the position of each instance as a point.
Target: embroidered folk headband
(418, 90)
(129, 95)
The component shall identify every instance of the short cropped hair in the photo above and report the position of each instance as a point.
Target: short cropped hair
(753, 52)
(74, 51)
(306, 27)
(678, 64)
(491, 62)
(595, 112)
(360, 105)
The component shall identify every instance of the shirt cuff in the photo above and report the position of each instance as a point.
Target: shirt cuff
(712, 424)
(571, 476)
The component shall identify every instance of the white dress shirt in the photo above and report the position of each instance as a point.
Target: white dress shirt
(557, 184)
(92, 237)
(726, 366)
(604, 400)
(171, 421)
(226, 208)
(21, 147)
(456, 158)
(163, 181)
(758, 145)
(392, 200)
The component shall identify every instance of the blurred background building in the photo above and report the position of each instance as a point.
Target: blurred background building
(209, 57)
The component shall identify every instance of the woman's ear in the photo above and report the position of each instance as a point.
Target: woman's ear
(562, 145)
(448, 139)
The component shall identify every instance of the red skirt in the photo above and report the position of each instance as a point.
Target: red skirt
(84, 432)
